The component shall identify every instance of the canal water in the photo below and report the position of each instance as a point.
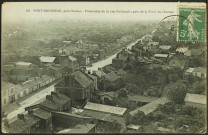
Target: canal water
(108, 61)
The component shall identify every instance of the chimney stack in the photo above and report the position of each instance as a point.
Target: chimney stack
(20, 116)
(49, 97)
(30, 111)
(54, 93)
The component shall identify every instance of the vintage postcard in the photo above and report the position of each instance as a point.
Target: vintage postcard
(104, 67)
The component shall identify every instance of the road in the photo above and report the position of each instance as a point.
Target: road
(31, 100)
(105, 62)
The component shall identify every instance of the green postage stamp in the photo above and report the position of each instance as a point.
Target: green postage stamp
(191, 24)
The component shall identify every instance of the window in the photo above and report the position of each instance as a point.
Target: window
(11, 90)
(4, 100)
(195, 74)
(202, 75)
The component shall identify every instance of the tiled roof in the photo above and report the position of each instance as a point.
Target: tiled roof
(82, 79)
(105, 108)
(47, 59)
(150, 107)
(195, 98)
(111, 76)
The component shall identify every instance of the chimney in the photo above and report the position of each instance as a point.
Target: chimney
(30, 111)
(49, 97)
(54, 93)
(20, 116)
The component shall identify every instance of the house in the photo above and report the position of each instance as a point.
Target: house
(183, 50)
(83, 60)
(165, 48)
(53, 102)
(22, 71)
(55, 72)
(48, 61)
(67, 62)
(81, 129)
(141, 100)
(178, 61)
(196, 100)
(94, 78)
(163, 57)
(45, 116)
(200, 72)
(66, 120)
(189, 71)
(78, 86)
(199, 52)
(107, 97)
(112, 81)
(133, 127)
(24, 123)
(150, 107)
(152, 45)
(122, 59)
(7, 93)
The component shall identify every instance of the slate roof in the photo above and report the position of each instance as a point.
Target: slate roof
(82, 79)
(165, 47)
(100, 73)
(200, 69)
(82, 128)
(7, 85)
(72, 58)
(150, 107)
(112, 77)
(196, 52)
(103, 116)
(161, 55)
(195, 98)
(190, 70)
(23, 64)
(140, 98)
(182, 49)
(105, 108)
(19, 125)
(41, 113)
(47, 59)
(58, 100)
(153, 43)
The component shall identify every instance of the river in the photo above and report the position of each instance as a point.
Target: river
(108, 61)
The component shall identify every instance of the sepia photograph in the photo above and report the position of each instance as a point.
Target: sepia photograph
(104, 67)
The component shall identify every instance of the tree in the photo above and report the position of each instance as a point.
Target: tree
(176, 92)
(122, 93)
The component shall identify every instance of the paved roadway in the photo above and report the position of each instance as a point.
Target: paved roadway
(31, 100)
